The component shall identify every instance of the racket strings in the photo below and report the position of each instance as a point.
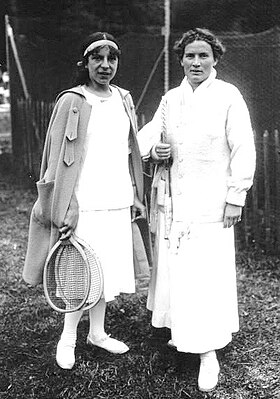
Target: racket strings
(71, 273)
(69, 278)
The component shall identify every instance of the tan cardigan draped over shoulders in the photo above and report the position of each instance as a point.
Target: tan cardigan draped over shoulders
(59, 171)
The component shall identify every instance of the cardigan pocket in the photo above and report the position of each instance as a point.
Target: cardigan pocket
(43, 205)
(71, 136)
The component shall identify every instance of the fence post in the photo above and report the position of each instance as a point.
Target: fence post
(255, 215)
(277, 186)
(246, 225)
(267, 198)
(255, 212)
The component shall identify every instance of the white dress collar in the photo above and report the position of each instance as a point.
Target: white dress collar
(185, 85)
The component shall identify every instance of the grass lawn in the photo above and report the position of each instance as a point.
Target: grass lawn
(29, 331)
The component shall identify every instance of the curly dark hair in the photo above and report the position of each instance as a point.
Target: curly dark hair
(199, 34)
(82, 76)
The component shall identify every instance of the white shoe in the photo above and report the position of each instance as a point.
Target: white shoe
(208, 372)
(65, 354)
(109, 344)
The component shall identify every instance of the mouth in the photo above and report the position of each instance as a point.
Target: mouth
(104, 74)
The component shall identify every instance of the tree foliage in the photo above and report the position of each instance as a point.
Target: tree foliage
(246, 16)
(220, 15)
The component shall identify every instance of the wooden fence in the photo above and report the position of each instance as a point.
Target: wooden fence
(32, 117)
(260, 226)
(261, 218)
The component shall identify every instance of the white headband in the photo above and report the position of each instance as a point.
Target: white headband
(102, 42)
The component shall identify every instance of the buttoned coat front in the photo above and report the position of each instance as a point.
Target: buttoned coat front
(193, 284)
(59, 171)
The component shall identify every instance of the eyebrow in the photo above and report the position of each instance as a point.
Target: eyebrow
(195, 52)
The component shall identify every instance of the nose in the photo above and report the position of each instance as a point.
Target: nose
(196, 61)
(105, 63)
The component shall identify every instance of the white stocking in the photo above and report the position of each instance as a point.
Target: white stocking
(71, 321)
(96, 319)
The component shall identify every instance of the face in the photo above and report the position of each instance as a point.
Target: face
(198, 61)
(102, 67)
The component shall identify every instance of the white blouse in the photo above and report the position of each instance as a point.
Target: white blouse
(104, 181)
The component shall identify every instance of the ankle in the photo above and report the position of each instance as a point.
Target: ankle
(97, 336)
(68, 338)
(211, 355)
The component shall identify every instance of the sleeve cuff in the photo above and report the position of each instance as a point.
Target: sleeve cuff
(235, 198)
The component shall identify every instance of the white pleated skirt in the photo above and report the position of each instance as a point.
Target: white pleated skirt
(109, 233)
(194, 291)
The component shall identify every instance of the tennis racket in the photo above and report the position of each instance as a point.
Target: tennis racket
(167, 177)
(72, 278)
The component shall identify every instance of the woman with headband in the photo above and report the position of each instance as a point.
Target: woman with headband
(90, 182)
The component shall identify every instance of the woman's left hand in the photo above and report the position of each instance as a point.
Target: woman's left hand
(138, 209)
(232, 215)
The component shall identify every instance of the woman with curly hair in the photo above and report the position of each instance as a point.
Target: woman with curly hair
(208, 162)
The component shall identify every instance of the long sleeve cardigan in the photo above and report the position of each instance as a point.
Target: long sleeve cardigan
(59, 172)
(212, 145)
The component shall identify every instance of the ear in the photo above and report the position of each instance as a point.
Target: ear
(181, 62)
(215, 62)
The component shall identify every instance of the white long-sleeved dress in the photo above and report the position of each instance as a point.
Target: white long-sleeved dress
(105, 201)
(193, 287)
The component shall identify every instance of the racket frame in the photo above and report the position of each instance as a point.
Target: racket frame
(75, 243)
(86, 245)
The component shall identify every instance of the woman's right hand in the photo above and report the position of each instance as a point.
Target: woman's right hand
(69, 223)
(161, 151)
(65, 232)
